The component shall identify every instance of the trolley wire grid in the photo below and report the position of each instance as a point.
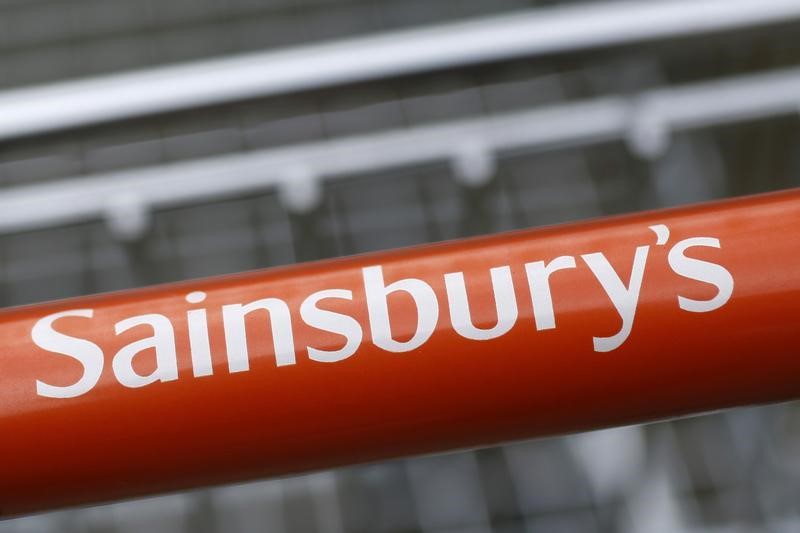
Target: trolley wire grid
(731, 471)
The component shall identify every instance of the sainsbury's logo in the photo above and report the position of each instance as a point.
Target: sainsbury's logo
(314, 312)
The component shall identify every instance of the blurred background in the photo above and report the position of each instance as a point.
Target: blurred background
(149, 141)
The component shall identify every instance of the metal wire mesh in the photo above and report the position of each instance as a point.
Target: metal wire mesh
(732, 471)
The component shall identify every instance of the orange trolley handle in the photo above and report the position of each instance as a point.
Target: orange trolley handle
(461, 344)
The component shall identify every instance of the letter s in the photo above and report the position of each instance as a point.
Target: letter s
(330, 321)
(87, 353)
(704, 271)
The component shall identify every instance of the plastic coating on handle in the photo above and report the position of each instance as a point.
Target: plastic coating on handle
(461, 344)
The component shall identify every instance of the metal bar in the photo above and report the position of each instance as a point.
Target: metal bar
(139, 190)
(34, 110)
(427, 349)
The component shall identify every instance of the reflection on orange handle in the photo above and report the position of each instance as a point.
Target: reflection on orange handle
(426, 349)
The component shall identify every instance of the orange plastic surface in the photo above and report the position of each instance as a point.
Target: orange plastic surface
(714, 323)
